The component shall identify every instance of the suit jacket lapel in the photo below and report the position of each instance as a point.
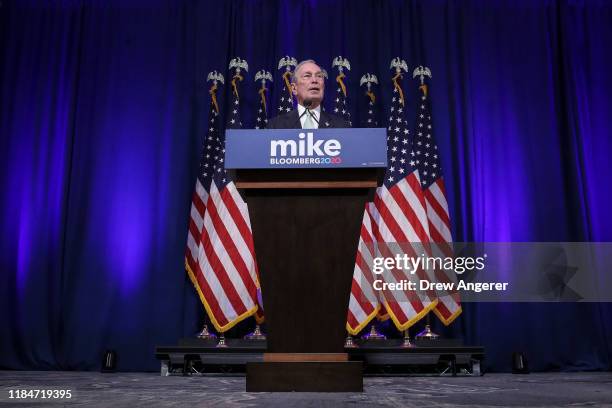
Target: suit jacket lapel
(324, 120)
(296, 120)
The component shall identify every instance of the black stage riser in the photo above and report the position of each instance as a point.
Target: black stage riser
(378, 357)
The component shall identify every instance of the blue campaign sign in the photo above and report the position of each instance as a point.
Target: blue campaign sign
(305, 148)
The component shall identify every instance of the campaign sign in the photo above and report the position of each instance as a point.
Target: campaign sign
(305, 148)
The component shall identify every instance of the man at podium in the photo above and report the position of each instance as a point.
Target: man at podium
(308, 85)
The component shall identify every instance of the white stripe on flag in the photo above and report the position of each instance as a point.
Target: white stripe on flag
(362, 292)
(218, 247)
(438, 224)
(198, 254)
(232, 229)
(201, 191)
(361, 276)
(197, 219)
(434, 189)
(398, 296)
(414, 202)
(356, 309)
(242, 206)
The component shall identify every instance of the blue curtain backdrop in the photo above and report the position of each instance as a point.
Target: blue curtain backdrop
(103, 109)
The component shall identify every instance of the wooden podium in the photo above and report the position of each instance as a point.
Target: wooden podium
(306, 225)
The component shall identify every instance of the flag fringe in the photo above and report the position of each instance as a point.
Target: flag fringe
(218, 327)
(414, 319)
(355, 331)
(451, 318)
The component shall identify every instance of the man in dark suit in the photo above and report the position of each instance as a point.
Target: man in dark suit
(308, 85)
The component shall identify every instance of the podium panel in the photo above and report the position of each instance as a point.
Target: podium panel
(305, 243)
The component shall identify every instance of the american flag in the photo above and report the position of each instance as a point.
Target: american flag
(233, 117)
(261, 122)
(427, 160)
(364, 303)
(220, 254)
(261, 118)
(397, 215)
(285, 102)
(371, 120)
(340, 106)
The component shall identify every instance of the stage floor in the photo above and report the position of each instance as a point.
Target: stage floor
(152, 390)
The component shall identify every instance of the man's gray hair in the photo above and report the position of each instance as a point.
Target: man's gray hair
(298, 66)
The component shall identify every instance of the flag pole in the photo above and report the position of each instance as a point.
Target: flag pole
(407, 343)
(260, 123)
(222, 343)
(427, 161)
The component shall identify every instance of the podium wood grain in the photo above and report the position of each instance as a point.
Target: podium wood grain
(305, 244)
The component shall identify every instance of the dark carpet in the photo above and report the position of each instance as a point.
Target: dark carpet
(152, 390)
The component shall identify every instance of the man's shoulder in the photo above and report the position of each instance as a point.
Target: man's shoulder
(290, 120)
(283, 121)
(332, 121)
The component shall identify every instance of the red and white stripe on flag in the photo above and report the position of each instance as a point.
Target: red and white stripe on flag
(405, 217)
(364, 303)
(398, 216)
(449, 304)
(430, 171)
(220, 257)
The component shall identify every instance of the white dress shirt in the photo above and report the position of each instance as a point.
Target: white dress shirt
(316, 112)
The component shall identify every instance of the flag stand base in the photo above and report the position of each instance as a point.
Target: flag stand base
(427, 334)
(373, 334)
(256, 334)
(205, 334)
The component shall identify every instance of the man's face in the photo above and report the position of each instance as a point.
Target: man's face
(309, 84)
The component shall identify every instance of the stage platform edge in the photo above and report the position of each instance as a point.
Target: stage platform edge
(379, 358)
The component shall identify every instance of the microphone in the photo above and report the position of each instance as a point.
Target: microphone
(307, 103)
